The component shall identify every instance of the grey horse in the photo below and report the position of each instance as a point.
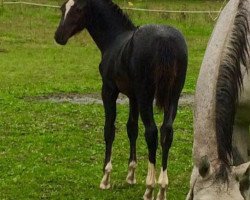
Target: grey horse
(222, 111)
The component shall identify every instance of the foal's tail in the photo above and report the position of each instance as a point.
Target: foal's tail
(165, 72)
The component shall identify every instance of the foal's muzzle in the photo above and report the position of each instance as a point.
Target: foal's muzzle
(60, 37)
(60, 40)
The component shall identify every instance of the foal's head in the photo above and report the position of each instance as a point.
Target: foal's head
(73, 20)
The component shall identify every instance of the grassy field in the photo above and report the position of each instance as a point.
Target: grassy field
(55, 150)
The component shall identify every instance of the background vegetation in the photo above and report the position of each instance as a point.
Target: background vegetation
(55, 150)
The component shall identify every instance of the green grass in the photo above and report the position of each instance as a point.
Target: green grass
(55, 151)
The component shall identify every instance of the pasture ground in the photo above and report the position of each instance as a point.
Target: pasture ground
(55, 150)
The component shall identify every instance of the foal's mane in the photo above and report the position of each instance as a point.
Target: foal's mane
(230, 84)
(123, 16)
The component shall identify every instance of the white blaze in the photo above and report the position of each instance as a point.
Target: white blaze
(69, 4)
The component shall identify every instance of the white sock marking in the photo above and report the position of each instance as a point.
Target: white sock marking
(131, 173)
(150, 182)
(163, 179)
(149, 194)
(163, 182)
(108, 167)
(105, 183)
(68, 5)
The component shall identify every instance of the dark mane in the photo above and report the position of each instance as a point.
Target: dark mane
(229, 85)
(123, 16)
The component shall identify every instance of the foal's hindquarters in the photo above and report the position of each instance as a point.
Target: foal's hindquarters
(157, 70)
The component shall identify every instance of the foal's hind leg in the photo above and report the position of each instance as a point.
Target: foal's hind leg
(132, 130)
(151, 135)
(166, 142)
(109, 96)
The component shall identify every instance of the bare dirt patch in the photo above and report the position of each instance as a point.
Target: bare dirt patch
(95, 98)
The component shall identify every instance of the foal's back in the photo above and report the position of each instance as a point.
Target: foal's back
(134, 53)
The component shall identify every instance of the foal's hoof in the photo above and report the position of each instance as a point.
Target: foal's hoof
(131, 180)
(131, 173)
(163, 182)
(105, 183)
(149, 194)
(104, 186)
(146, 198)
(162, 194)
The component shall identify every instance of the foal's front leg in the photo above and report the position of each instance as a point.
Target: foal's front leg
(109, 96)
(132, 130)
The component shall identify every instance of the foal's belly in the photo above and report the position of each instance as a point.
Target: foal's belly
(243, 110)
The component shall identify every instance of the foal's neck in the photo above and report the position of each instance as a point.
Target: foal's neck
(107, 22)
